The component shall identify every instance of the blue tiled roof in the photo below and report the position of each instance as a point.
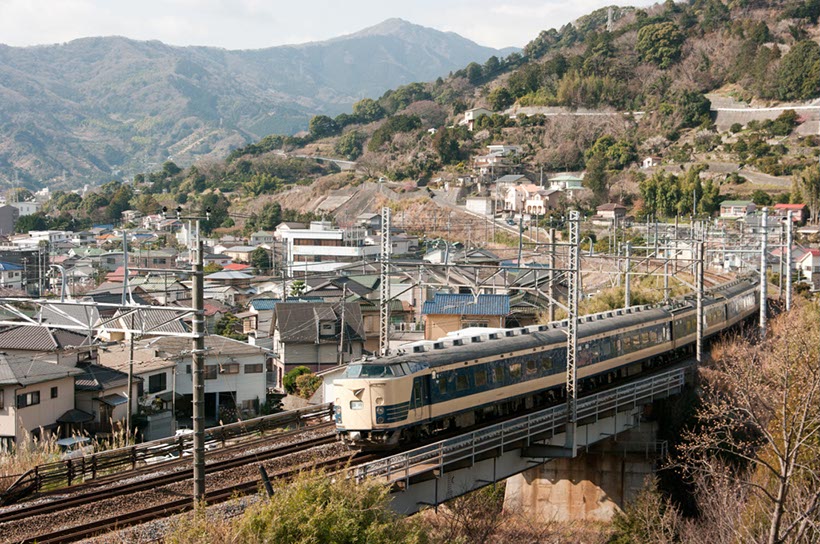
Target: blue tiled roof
(260, 304)
(10, 266)
(444, 303)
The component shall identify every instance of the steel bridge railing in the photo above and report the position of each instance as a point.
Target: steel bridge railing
(519, 432)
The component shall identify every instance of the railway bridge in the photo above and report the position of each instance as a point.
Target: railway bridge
(544, 476)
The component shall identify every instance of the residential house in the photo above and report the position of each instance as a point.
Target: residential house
(451, 312)
(34, 394)
(240, 253)
(236, 267)
(238, 375)
(800, 212)
(26, 208)
(8, 217)
(165, 259)
(309, 333)
(651, 162)
(11, 276)
(610, 214)
(262, 237)
(163, 289)
(472, 115)
(566, 182)
(285, 226)
(131, 216)
(111, 260)
(324, 248)
(809, 267)
(480, 205)
(216, 259)
(46, 344)
(370, 221)
(735, 209)
(103, 392)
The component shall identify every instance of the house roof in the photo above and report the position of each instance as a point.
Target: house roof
(75, 416)
(95, 377)
(10, 266)
(215, 345)
(466, 304)
(299, 322)
(31, 338)
(610, 207)
(789, 206)
(735, 203)
(566, 177)
(152, 321)
(290, 225)
(512, 178)
(240, 249)
(262, 233)
(235, 267)
(26, 371)
(69, 315)
(228, 275)
(811, 251)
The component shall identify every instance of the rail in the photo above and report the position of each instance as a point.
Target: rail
(70, 471)
(518, 432)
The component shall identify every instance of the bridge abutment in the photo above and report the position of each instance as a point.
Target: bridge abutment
(592, 486)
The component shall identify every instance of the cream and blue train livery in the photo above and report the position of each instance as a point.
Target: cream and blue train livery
(460, 382)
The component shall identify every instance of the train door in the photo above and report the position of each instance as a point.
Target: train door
(420, 399)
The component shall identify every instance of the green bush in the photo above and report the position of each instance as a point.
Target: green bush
(289, 381)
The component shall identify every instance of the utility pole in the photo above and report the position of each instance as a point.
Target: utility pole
(699, 303)
(551, 307)
(521, 232)
(788, 261)
(384, 287)
(627, 286)
(198, 371)
(763, 279)
(342, 332)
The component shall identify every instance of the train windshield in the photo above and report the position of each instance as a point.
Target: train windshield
(372, 371)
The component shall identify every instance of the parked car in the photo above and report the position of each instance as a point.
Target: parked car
(75, 446)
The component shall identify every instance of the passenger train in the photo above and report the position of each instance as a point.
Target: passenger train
(459, 382)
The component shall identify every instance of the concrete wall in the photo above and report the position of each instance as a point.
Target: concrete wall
(591, 487)
(437, 326)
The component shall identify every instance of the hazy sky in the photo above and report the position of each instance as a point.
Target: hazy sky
(250, 24)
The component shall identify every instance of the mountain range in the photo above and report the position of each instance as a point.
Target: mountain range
(96, 108)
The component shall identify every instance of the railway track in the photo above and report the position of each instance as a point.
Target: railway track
(181, 505)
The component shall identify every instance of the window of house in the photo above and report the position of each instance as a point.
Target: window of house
(210, 372)
(468, 324)
(253, 369)
(157, 382)
(28, 399)
(54, 392)
(230, 368)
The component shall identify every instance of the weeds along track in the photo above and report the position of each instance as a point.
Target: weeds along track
(161, 493)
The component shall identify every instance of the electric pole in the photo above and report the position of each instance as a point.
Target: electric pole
(342, 332)
(763, 279)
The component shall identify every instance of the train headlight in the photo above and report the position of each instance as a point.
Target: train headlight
(379, 409)
(380, 419)
(356, 404)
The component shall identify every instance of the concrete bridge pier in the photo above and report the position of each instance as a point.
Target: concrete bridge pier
(592, 486)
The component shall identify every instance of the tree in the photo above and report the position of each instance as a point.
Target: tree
(761, 198)
(322, 126)
(146, 204)
(350, 145)
(445, 144)
(500, 98)
(260, 259)
(307, 384)
(27, 223)
(229, 326)
(798, 77)
(170, 169)
(289, 379)
(660, 44)
(368, 110)
(759, 429)
(210, 268)
(297, 288)
(649, 519)
(596, 178)
(474, 73)
(808, 186)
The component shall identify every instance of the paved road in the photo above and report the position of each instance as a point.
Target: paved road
(756, 178)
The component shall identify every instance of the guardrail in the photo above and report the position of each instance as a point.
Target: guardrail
(69, 471)
(517, 432)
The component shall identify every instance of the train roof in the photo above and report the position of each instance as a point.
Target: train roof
(452, 350)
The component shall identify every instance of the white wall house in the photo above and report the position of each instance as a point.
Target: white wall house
(322, 246)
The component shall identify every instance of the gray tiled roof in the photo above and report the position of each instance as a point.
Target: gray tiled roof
(33, 338)
(299, 322)
(99, 378)
(24, 372)
(152, 321)
(174, 346)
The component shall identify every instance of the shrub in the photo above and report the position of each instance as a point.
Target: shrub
(289, 381)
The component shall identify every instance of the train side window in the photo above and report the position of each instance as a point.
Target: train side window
(515, 371)
(531, 366)
(627, 341)
(480, 378)
(645, 338)
(546, 363)
(653, 336)
(606, 348)
(462, 383)
(442, 385)
(499, 374)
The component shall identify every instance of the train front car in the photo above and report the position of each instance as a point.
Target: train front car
(373, 400)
